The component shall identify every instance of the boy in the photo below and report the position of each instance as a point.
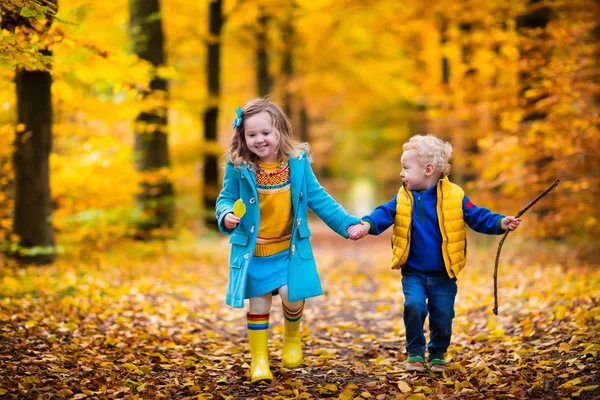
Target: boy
(429, 243)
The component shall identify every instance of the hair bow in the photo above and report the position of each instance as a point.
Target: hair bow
(238, 121)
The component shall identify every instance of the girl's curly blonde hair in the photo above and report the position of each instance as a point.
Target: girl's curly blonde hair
(432, 150)
(238, 152)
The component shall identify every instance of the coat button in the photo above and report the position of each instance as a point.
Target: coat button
(293, 249)
(298, 223)
(252, 229)
(300, 196)
(247, 255)
(252, 200)
(243, 176)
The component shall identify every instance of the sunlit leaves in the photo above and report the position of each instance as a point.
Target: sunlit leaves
(24, 36)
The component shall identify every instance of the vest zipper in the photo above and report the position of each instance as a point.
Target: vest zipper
(410, 198)
(440, 201)
(420, 209)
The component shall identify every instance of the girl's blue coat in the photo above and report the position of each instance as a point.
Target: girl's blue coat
(303, 278)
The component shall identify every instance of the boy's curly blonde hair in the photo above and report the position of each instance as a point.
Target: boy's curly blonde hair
(432, 150)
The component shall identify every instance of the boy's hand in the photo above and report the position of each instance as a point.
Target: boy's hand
(510, 223)
(231, 221)
(358, 231)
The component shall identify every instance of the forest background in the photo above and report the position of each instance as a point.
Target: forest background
(115, 115)
(512, 86)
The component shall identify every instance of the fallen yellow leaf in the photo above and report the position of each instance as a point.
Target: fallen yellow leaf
(404, 387)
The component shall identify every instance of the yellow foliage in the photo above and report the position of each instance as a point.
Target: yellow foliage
(517, 104)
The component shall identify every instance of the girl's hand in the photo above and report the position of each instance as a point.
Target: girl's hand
(231, 221)
(358, 231)
(510, 223)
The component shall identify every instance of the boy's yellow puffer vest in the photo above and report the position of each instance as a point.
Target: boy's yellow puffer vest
(452, 226)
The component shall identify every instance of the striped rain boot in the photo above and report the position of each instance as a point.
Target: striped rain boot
(292, 341)
(258, 335)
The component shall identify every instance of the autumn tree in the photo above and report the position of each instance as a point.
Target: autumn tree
(211, 113)
(276, 21)
(536, 52)
(559, 129)
(290, 99)
(530, 82)
(33, 140)
(18, 50)
(156, 193)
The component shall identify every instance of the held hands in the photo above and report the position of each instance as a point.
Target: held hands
(358, 231)
(510, 223)
(231, 221)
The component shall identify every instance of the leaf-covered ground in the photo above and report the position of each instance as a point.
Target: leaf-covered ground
(128, 323)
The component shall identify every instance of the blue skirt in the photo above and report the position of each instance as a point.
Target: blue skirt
(266, 274)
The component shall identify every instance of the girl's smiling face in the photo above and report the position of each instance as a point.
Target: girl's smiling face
(262, 138)
(413, 173)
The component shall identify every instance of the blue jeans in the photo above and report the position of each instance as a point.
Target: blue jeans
(432, 293)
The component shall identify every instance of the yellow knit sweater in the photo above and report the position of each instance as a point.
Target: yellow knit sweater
(276, 214)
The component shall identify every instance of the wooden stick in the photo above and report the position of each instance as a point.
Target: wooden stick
(527, 207)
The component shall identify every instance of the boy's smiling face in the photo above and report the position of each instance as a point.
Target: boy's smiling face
(415, 175)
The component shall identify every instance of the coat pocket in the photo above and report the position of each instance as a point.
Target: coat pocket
(303, 231)
(239, 238)
(239, 250)
(303, 243)
(304, 249)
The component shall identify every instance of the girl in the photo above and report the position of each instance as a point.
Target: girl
(270, 244)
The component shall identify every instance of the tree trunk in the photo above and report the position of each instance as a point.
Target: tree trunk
(290, 101)
(304, 128)
(211, 114)
(445, 62)
(262, 55)
(33, 144)
(287, 66)
(155, 199)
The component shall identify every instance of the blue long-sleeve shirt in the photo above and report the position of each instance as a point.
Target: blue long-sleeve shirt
(425, 252)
